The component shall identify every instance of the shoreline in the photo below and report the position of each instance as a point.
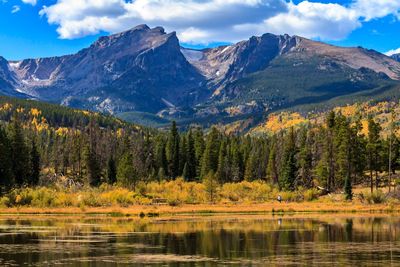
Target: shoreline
(204, 209)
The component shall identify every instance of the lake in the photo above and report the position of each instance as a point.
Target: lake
(241, 240)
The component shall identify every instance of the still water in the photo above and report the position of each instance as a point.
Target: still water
(311, 240)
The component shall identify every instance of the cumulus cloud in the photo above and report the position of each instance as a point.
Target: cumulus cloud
(374, 9)
(15, 9)
(313, 20)
(393, 52)
(204, 21)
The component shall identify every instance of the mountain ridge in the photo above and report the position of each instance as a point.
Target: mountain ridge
(145, 69)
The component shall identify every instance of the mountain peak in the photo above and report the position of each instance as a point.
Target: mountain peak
(140, 27)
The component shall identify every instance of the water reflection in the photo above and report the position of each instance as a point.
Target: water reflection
(324, 240)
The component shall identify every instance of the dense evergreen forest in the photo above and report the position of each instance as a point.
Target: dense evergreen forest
(40, 143)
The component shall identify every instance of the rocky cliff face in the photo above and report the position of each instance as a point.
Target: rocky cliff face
(146, 69)
(118, 72)
(8, 79)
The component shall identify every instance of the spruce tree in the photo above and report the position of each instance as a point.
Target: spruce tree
(160, 156)
(237, 173)
(272, 170)
(191, 171)
(250, 172)
(289, 167)
(19, 153)
(34, 165)
(6, 174)
(111, 171)
(222, 174)
(211, 186)
(210, 156)
(373, 147)
(199, 146)
(126, 173)
(348, 189)
(305, 159)
(185, 172)
(172, 151)
(330, 123)
(182, 154)
(93, 170)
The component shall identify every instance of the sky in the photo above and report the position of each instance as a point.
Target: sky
(43, 28)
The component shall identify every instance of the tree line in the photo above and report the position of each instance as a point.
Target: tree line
(334, 155)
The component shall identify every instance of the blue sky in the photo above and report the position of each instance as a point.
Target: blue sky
(40, 28)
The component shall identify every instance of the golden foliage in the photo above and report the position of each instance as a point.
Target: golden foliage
(35, 112)
(280, 121)
(6, 107)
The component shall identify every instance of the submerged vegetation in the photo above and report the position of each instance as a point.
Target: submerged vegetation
(52, 156)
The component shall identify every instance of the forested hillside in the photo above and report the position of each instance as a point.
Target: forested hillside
(42, 144)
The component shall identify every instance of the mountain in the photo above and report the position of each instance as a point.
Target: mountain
(140, 69)
(396, 57)
(144, 74)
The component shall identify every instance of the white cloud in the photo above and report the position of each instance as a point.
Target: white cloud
(15, 9)
(31, 2)
(204, 21)
(314, 20)
(393, 52)
(374, 9)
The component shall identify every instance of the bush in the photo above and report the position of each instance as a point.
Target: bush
(291, 196)
(5, 202)
(247, 191)
(89, 199)
(310, 194)
(376, 197)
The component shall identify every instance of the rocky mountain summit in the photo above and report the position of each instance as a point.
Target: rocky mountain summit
(146, 70)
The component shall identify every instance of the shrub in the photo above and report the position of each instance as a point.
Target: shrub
(247, 191)
(65, 200)
(5, 202)
(41, 197)
(310, 194)
(376, 197)
(89, 199)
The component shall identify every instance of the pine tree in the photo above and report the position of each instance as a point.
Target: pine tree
(191, 171)
(160, 156)
(93, 170)
(305, 159)
(6, 174)
(211, 186)
(289, 167)
(172, 151)
(111, 171)
(373, 147)
(182, 154)
(161, 174)
(330, 123)
(19, 153)
(199, 146)
(272, 170)
(222, 173)
(34, 165)
(185, 172)
(126, 173)
(348, 189)
(343, 145)
(237, 163)
(210, 156)
(250, 169)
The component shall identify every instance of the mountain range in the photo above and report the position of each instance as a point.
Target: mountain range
(145, 74)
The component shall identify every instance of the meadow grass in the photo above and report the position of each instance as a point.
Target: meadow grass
(178, 196)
